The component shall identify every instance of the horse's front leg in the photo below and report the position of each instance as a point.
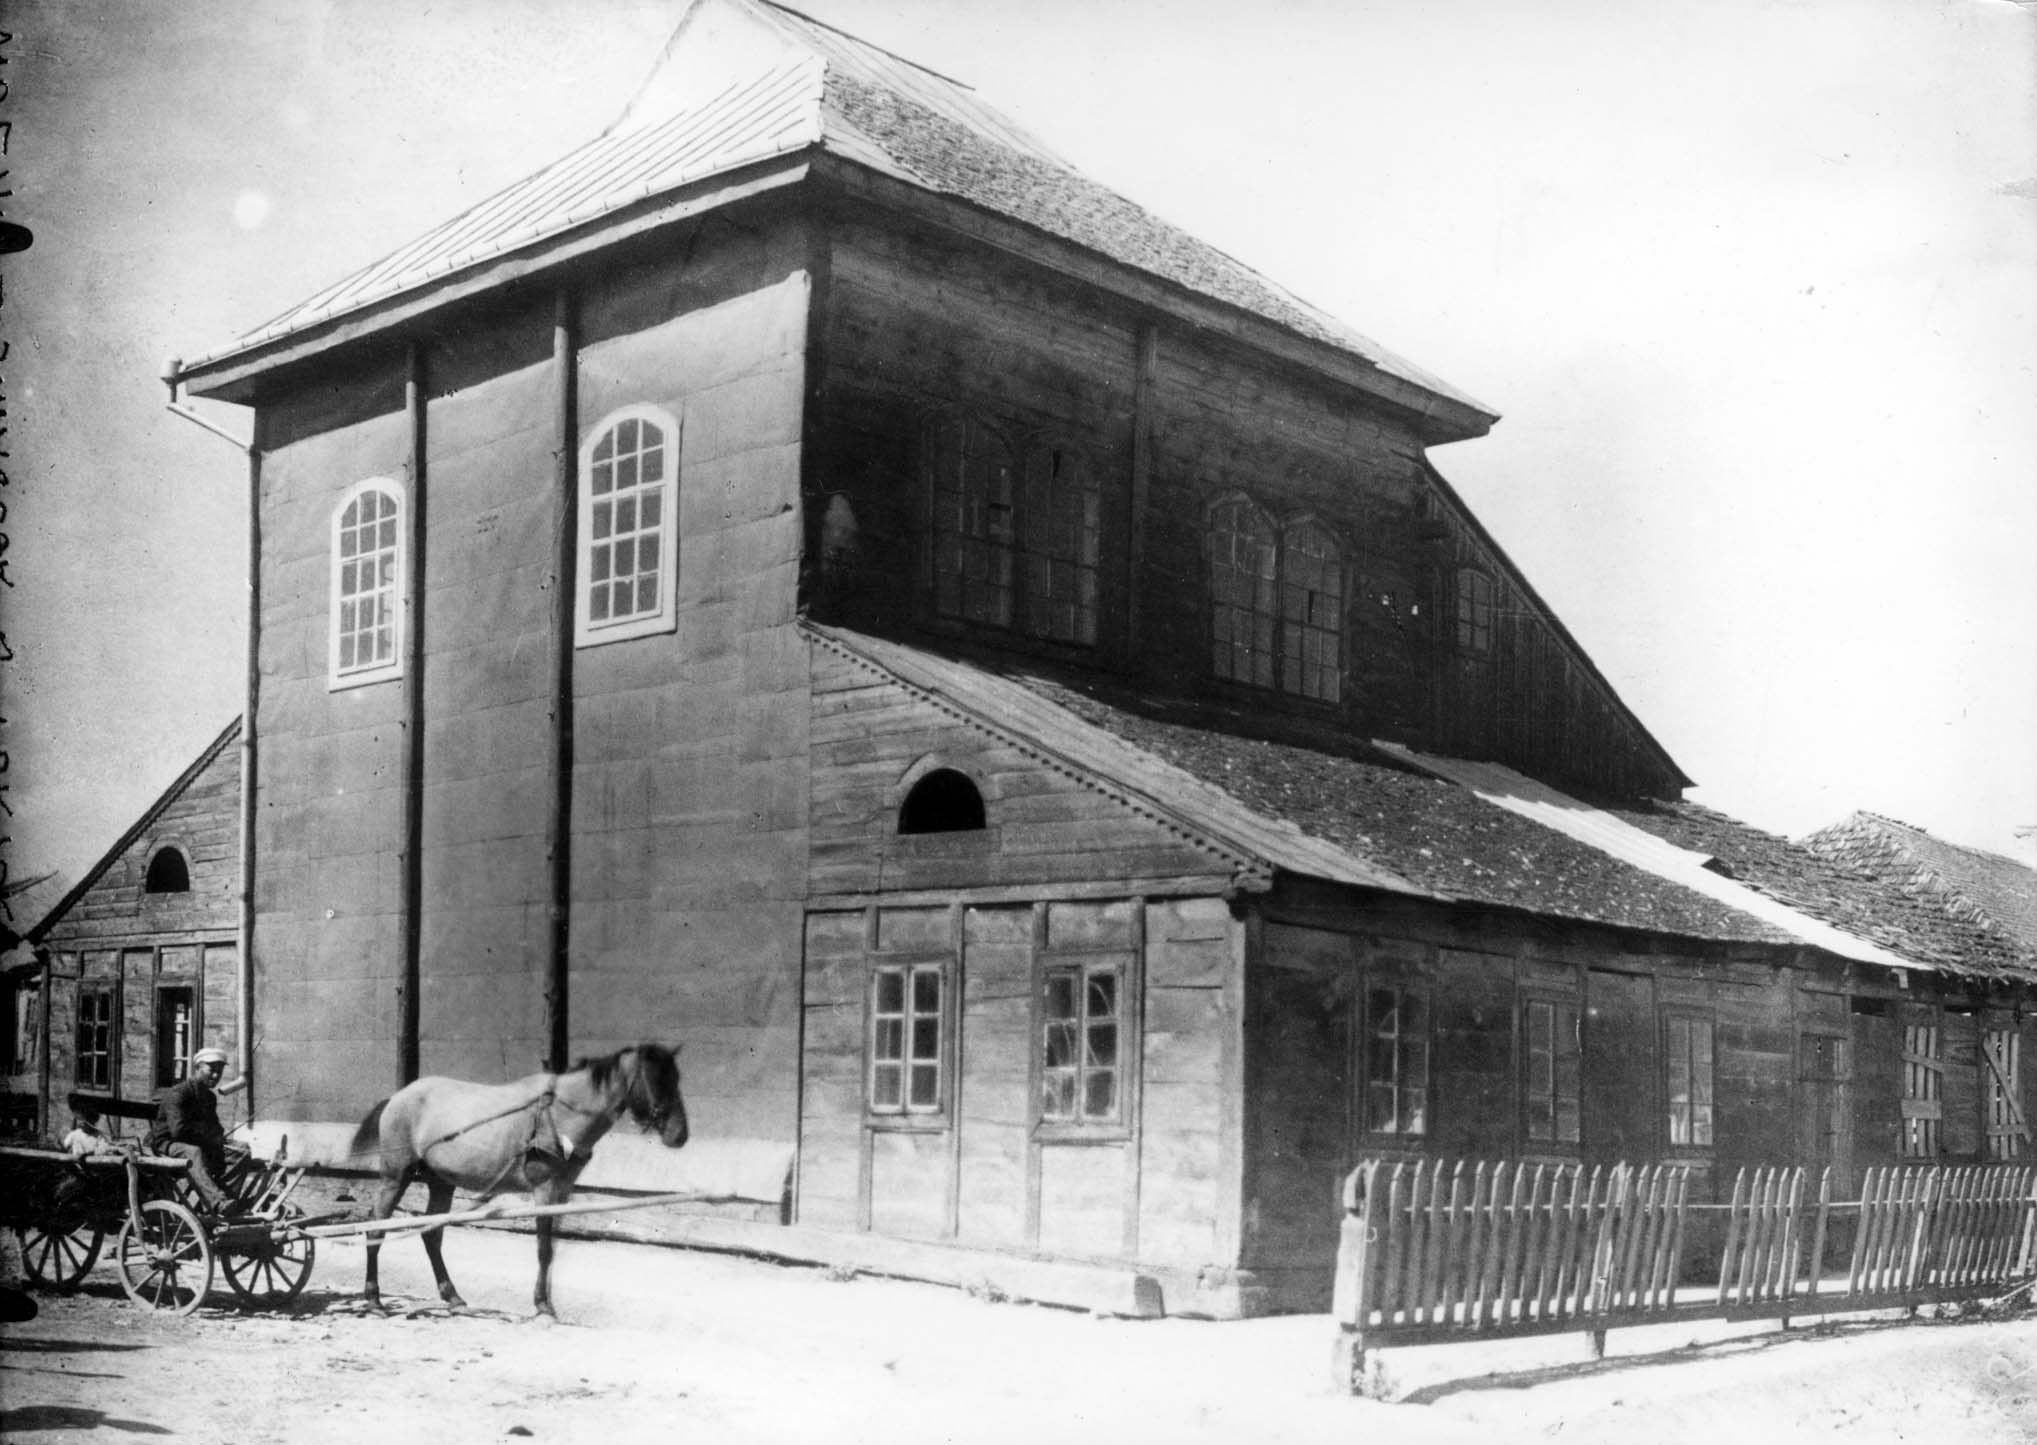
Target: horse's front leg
(542, 1296)
(440, 1201)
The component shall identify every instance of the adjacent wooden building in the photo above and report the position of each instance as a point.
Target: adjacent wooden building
(810, 576)
(137, 965)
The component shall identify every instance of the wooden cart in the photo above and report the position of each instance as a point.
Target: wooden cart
(64, 1208)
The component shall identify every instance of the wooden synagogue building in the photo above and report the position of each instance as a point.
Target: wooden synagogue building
(810, 577)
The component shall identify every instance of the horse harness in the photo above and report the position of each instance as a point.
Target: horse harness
(560, 1150)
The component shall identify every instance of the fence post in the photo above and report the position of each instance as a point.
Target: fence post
(1602, 1255)
(1350, 1298)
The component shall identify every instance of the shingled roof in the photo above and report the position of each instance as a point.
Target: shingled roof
(1989, 895)
(743, 82)
(1362, 814)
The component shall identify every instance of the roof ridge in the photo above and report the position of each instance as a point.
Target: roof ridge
(868, 45)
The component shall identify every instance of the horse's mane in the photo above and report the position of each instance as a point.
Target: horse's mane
(601, 1068)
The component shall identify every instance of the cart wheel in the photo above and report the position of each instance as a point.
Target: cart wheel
(166, 1264)
(270, 1268)
(59, 1256)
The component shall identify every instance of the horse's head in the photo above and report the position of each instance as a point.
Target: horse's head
(654, 1100)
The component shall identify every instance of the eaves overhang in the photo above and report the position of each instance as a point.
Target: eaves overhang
(238, 373)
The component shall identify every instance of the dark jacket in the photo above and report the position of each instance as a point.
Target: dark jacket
(188, 1113)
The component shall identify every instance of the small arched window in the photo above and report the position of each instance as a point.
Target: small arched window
(167, 873)
(1242, 601)
(629, 566)
(944, 801)
(367, 584)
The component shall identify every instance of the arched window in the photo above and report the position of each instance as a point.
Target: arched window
(628, 564)
(167, 873)
(1312, 613)
(971, 478)
(1242, 600)
(944, 801)
(367, 585)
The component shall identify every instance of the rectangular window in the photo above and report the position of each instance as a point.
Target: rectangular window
(23, 1004)
(2008, 1134)
(176, 1032)
(1396, 1061)
(1474, 612)
(905, 1039)
(1553, 1053)
(1688, 1057)
(1923, 1084)
(1312, 613)
(1063, 511)
(1080, 1044)
(95, 1039)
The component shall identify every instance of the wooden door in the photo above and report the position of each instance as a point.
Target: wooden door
(1824, 1112)
(1620, 1068)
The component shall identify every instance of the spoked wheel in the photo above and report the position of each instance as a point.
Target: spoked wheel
(60, 1254)
(268, 1268)
(167, 1263)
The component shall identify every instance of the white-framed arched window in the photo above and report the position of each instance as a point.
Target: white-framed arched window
(366, 627)
(629, 497)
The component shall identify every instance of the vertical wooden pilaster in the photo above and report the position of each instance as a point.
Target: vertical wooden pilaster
(411, 907)
(565, 587)
(244, 982)
(1142, 483)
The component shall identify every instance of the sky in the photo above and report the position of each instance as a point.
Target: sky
(1753, 286)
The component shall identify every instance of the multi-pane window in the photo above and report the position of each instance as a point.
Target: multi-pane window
(2008, 1133)
(1474, 612)
(95, 1038)
(367, 552)
(1080, 1044)
(1553, 1053)
(1687, 1060)
(1923, 1109)
(1062, 531)
(1276, 602)
(1017, 532)
(176, 1031)
(1312, 613)
(1396, 1061)
(975, 539)
(627, 500)
(1243, 601)
(906, 1059)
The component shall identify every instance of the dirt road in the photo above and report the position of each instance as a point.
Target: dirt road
(660, 1344)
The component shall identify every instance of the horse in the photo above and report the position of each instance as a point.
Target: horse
(534, 1135)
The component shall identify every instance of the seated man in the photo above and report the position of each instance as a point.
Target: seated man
(187, 1127)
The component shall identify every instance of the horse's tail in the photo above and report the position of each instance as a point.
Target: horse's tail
(368, 1138)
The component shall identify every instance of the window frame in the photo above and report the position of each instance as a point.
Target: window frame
(172, 1067)
(338, 678)
(904, 1115)
(1474, 619)
(1000, 575)
(1692, 1020)
(1292, 666)
(106, 1049)
(1369, 1038)
(25, 1045)
(1554, 1141)
(1122, 965)
(1288, 668)
(664, 618)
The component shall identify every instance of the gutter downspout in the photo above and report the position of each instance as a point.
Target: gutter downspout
(416, 403)
(244, 963)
